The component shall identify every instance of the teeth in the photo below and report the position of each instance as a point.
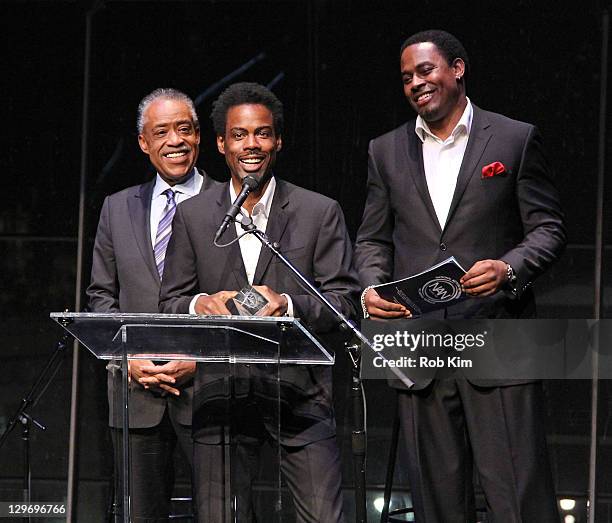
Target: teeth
(251, 160)
(175, 155)
(424, 95)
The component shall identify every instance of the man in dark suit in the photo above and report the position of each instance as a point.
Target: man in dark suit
(311, 232)
(460, 181)
(128, 262)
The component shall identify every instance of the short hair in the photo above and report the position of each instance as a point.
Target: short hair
(164, 93)
(246, 93)
(450, 47)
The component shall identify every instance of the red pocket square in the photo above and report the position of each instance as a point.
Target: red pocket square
(493, 169)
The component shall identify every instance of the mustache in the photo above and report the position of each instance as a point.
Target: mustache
(184, 149)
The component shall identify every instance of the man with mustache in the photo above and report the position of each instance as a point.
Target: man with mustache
(310, 229)
(460, 181)
(128, 266)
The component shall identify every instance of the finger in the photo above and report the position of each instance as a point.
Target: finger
(262, 289)
(273, 308)
(150, 369)
(165, 378)
(214, 307)
(139, 363)
(477, 270)
(149, 381)
(385, 314)
(383, 304)
(222, 310)
(166, 368)
(170, 389)
(481, 290)
(477, 281)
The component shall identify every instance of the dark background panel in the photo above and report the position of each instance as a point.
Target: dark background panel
(334, 64)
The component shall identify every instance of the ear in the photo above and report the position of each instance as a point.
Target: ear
(279, 143)
(197, 133)
(458, 67)
(144, 146)
(221, 144)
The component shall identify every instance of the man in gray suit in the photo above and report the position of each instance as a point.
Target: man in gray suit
(128, 261)
(310, 230)
(460, 181)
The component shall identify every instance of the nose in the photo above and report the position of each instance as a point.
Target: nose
(174, 138)
(251, 142)
(417, 82)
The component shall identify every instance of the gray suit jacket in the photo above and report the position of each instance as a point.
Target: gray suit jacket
(311, 232)
(124, 278)
(515, 217)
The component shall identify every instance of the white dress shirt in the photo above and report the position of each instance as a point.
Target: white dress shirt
(250, 246)
(442, 160)
(182, 191)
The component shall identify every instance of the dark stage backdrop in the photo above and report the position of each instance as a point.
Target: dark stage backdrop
(334, 64)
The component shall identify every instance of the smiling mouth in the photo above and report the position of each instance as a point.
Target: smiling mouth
(176, 154)
(423, 98)
(252, 160)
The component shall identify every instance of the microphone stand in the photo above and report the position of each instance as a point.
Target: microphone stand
(354, 344)
(23, 418)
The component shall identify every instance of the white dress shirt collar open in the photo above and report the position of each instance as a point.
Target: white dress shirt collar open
(442, 161)
(262, 206)
(250, 246)
(463, 125)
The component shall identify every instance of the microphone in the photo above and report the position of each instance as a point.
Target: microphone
(249, 184)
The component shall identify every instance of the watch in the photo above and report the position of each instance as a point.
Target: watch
(511, 278)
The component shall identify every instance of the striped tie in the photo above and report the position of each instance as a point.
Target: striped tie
(164, 231)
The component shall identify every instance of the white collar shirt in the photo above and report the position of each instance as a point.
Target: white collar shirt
(442, 160)
(182, 191)
(250, 246)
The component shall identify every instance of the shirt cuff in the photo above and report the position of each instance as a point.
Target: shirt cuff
(192, 304)
(289, 305)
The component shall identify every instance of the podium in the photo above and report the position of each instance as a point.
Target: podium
(236, 344)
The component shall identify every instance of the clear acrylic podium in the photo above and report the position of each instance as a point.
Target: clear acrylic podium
(234, 343)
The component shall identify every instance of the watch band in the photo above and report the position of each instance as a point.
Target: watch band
(366, 314)
(511, 278)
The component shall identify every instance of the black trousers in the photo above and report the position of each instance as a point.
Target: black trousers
(312, 473)
(152, 471)
(451, 426)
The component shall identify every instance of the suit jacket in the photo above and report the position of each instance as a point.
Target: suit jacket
(124, 278)
(311, 232)
(515, 217)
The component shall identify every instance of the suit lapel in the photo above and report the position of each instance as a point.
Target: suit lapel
(277, 222)
(417, 169)
(207, 181)
(139, 207)
(228, 256)
(480, 134)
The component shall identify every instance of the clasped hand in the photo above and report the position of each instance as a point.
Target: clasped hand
(167, 377)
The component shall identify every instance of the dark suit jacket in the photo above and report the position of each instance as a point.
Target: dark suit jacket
(311, 232)
(515, 217)
(124, 278)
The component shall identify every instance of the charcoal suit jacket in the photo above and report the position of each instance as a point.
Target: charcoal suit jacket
(124, 278)
(311, 233)
(514, 216)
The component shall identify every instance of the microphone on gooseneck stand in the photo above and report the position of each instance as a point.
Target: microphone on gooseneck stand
(249, 184)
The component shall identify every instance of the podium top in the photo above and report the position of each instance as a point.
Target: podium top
(231, 339)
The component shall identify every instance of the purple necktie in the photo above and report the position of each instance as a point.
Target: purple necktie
(164, 231)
